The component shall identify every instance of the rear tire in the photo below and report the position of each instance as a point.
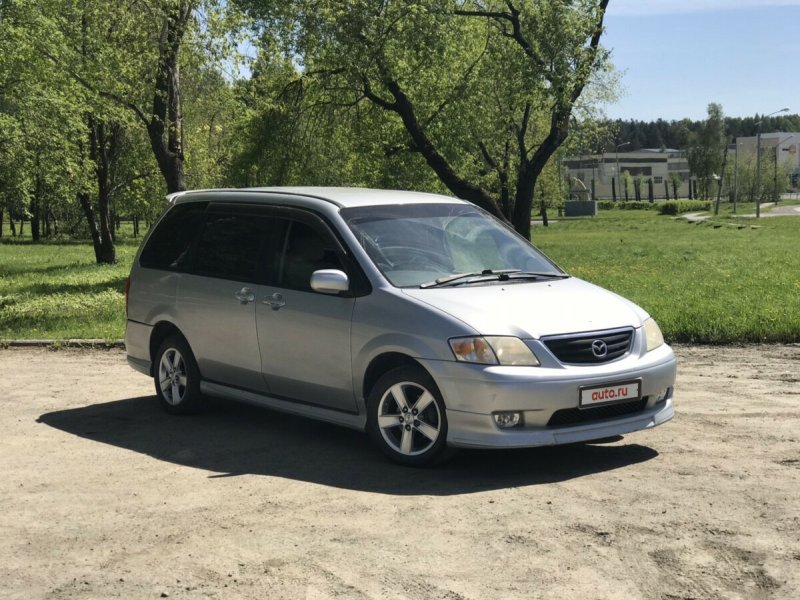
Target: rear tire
(406, 417)
(177, 377)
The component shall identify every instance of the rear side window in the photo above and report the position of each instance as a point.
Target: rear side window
(229, 247)
(168, 246)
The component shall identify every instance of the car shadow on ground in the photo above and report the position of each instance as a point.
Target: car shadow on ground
(232, 439)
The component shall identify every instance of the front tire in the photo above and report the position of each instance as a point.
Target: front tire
(407, 418)
(177, 377)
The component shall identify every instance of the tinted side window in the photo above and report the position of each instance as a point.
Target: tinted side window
(229, 246)
(168, 246)
(306, 251)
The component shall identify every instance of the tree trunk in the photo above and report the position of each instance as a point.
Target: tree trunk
(52, 223)
(88, 211)
(650, 192)
(165, 126)
(544, 214)
(666, 190)
(11, 223)
(1, 221)
(102, 149)
(614, 188)
(523, 201)
(21, 226)
(35, 211)
(719, 181)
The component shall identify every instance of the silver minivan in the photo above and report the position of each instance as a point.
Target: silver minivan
(417, 317)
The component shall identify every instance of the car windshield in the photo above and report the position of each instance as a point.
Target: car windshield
(443, 244)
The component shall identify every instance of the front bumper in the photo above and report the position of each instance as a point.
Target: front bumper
(468, 430)
(473, 393)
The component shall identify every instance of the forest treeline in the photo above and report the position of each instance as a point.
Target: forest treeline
(678, 134)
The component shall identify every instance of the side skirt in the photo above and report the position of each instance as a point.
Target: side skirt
(304, 410)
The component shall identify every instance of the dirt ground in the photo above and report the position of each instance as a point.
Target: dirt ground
(104, 496)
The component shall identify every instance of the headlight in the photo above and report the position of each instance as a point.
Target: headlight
(493, 350)
(653, 335)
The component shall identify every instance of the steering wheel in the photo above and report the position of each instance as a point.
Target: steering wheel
(410, 258)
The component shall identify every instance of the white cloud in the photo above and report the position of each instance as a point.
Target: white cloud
(664, 7)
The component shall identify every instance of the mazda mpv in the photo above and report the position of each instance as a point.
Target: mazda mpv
(417, 317)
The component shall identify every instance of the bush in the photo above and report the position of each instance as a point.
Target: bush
(676, 207)
(629, 205)
(637, 205)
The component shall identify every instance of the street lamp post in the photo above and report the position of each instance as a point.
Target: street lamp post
(758, 160)
(619, 173)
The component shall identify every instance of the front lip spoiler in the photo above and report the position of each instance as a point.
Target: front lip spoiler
(585, 432)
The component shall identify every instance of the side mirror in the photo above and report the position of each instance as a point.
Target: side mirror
(329, 281)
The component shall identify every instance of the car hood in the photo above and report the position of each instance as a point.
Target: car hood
(533, 309)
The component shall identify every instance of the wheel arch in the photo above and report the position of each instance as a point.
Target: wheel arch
(381, 364)
(384, 363)
(161, 331)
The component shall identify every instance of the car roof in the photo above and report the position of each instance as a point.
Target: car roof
(343, 197)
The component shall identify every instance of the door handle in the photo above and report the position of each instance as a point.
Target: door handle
(275, 301)
(245, 295)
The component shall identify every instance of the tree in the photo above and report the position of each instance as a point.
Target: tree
(677, 182)
(484, 92)
(707, 148)
(99, 80)
(626, 182)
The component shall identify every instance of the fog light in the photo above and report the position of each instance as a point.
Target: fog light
(507, 420)
(663, 395)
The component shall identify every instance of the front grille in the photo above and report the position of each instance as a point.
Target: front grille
(577, 349)
(573, 416)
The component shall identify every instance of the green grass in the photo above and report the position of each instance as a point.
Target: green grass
(707, 282)
(57, 291)
(710, 282)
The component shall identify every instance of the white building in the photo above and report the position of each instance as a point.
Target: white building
(601, 172)
(785, 146)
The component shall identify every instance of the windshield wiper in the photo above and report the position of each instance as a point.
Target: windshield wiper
(532, 275)
(501, 275)
(488, 275)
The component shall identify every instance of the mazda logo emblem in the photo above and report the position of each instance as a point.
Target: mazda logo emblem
(599, 348)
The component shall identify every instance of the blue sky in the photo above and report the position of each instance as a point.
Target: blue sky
(676, 56)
